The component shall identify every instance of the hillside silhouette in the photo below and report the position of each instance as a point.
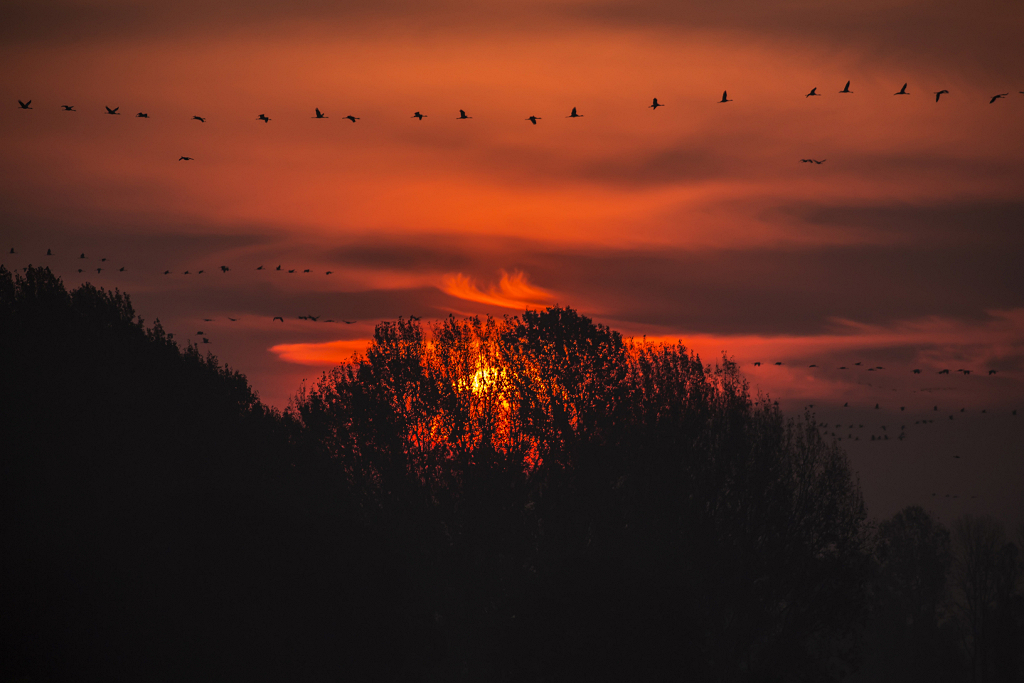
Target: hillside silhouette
(525, 499)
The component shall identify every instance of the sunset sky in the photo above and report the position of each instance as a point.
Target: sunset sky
(696, 221)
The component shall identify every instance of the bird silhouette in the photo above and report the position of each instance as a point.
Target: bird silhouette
(655, 105)
(207, 320)
(185, 159)
(351, 118)
(991, 372)
(939, 94)
(306, 270)
(417, 115)
(277, 317)
(292, 270)
(140, 115)
(462, 115)
(200, 333)
(779, 363)
(167, 272)
(205, 340)
(725, 97)
(847, 88)
(264, 118)
(348, 322)
(99, 270)
(813, 161)
(224, 269)
(533, 119)
(68, 107)
(278, 268)
(24, 105)
(186, 273)
(757, 363)
(200, 119)
(234, 320)
(79, 256)
(260, 268)
(813, 93)
(314, 318)
(320, 114)
(917, 371)
(812, 366)
(50, 253)
(329, 272)
(574, 115)
(121, 269)
(114, 111)
(903, 90)
(200, 272)
(996, 97)
(944, 372)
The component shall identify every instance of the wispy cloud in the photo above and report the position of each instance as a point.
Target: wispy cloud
(513, 291)
(318, 354)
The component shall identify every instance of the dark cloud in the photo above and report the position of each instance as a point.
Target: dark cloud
(977, 36)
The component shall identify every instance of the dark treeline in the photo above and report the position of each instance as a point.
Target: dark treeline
(524, 499)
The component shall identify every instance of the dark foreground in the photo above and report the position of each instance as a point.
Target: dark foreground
(529, 499)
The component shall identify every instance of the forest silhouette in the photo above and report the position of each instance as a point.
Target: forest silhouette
(525, 499)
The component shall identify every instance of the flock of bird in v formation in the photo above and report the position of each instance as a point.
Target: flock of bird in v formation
(114, 111)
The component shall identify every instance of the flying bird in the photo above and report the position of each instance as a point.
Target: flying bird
(725, 97)
(50, 253)
(292, 270)
(903, 90)
(24, 105)
(140, 115)
(278, 267)
(264, 118)
(417, 115)
(68, 107)
(991, 372)
(79, 256)
(847, 88)
(462, 115)
(351, 118)
(207, 320)
(996, 97)
(574, 115)
(815, 94)
(200, 119)
(306, 270)
(655, 105)
(533, 119)
(939, 94)
(329, 272)
(319, 114)
(350, 322)
(917, 371)
(813, 161)
(260, 268)
(224, 269)
(113, 111)
(277, 317)
(234, 320)
(167, 272)
(185, 159)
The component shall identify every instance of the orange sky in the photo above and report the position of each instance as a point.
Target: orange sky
(695, 221)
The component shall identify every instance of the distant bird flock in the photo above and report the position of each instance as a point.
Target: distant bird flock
(533, 118)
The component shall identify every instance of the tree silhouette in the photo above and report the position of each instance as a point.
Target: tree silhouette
(608, 507)
(153, 524)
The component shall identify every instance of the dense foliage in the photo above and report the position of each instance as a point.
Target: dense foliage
(532, 498)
